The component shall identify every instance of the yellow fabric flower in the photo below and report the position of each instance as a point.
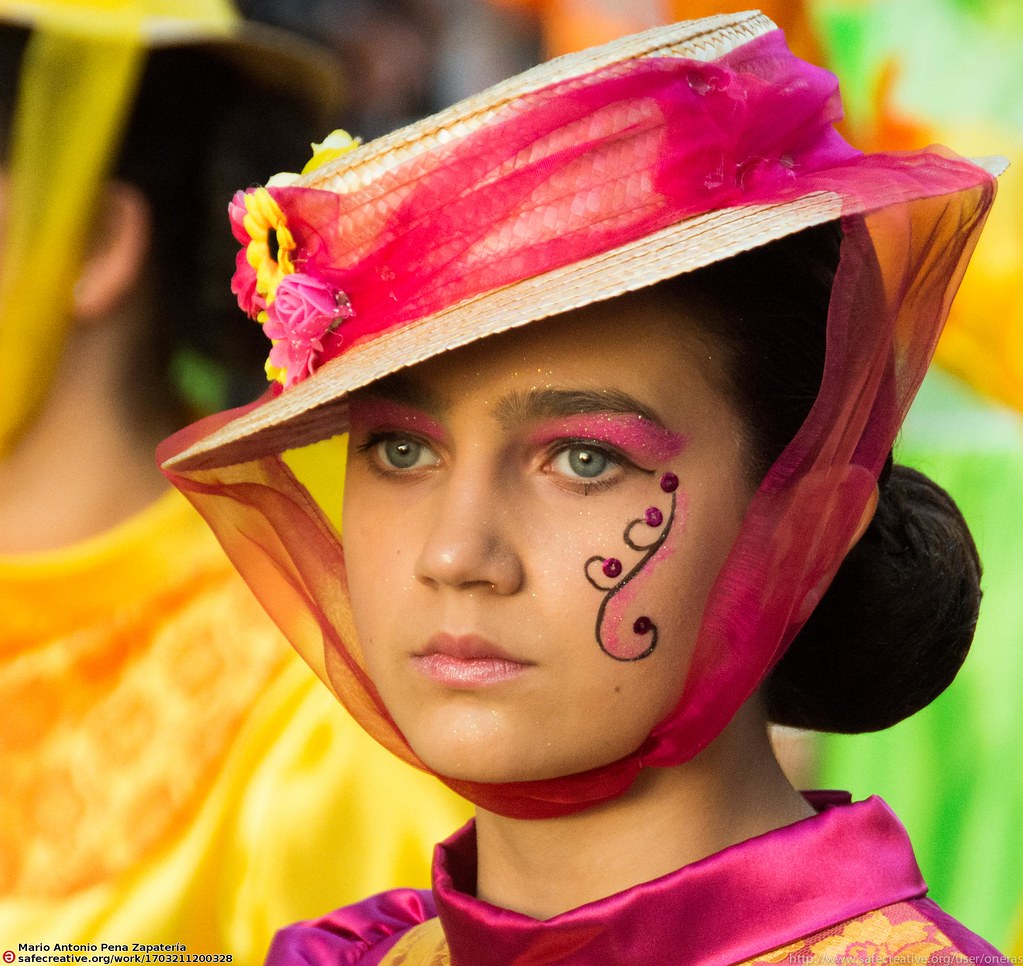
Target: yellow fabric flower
(274, 373)
(423, 945)
(332, 146)
(335, 144)
(269, 250)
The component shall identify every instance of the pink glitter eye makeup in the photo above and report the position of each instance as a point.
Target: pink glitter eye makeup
(377, 414)
(397, 439)
(643, 441)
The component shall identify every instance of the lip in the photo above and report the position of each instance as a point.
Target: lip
(467, 662)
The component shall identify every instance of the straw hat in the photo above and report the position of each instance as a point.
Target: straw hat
(593, 175)
(384, 172)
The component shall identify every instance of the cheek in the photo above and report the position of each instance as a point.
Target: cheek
(376, 543)
(615, 686)
(646, 594)
(626, 630)
(617, 587)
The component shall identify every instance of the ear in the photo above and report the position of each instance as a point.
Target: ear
(814, 595)
(115, 255)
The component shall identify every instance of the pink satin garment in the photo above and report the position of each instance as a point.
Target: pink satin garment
(733, 907)
(359, 935)
(755, 127)
(745, 900)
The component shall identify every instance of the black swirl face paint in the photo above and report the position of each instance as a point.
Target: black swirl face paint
(646, 535)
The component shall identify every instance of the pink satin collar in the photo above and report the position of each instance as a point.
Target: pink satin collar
(755, 896)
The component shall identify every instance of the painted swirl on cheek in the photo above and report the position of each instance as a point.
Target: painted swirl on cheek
(616, 637)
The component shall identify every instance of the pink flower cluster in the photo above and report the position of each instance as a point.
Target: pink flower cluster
(304, 311)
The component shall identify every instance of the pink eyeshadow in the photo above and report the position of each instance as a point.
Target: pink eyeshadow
(634, 435)
(379, 413)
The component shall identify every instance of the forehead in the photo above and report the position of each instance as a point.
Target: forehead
(638, 350)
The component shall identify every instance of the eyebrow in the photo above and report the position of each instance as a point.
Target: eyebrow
(524, 407)
(518, 408)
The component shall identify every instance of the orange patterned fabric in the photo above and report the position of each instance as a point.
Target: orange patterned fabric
(172, 771)
(895, 934)
(106, 660)
(423, 945)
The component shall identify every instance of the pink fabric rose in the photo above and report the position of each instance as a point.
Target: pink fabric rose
(243, 282)
(304, 311)
(243, 285)
(236, 214)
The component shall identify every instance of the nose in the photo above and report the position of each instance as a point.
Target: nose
(469, 545)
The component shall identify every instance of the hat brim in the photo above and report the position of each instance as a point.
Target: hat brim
(268, 56)
(317, 408)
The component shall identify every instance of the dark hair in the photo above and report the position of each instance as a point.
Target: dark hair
(199, 129)
(12, 46)
(896, 623)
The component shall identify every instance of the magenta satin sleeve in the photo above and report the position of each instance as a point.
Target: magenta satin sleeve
(357, 935)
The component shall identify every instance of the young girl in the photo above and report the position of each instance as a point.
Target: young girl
(620, 348)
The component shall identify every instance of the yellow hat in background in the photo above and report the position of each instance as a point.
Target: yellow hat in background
(80, 71)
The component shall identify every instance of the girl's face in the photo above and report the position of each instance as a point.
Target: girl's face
(532, 527)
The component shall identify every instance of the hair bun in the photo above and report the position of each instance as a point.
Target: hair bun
(896, 624)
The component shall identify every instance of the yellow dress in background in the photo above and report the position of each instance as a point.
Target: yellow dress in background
(171, 771)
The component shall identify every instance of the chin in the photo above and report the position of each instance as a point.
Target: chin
(472, 742)
(495, 762)
(497, 773)
(483, 757)
(487, 764)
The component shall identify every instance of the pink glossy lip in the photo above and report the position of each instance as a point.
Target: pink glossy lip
(466, 662)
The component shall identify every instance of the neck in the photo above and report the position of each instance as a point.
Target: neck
(732, 791)
(82, 465)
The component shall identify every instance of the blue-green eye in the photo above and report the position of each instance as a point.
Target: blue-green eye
(582, 462)
(402, 453)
